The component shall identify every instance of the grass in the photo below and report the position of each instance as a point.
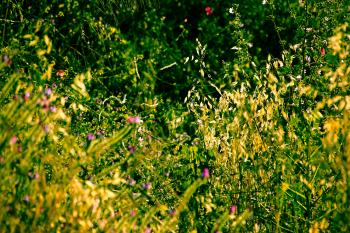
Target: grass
(106, 129)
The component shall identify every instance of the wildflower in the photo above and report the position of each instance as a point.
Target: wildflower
(26, 198)
(133, 213)
(323, 51)
(100, 133)
(15, 97)
(46, 128)
(308, 59)
(60, 73)
(171, 212)
(26, 96)
(2, 160)
(134, 120)
(146, 186)
(13, 140)
(233, 209)
(185, 20)
(45, 103)
(231, 11)
(208, 10)
(36, 176)
(48, 91)
(54, 85)
(19, 149)
(132, 182)
(7, 60)
(131, 149)
(90, 136)
(53, 109)
(147, 230)
(205, 173)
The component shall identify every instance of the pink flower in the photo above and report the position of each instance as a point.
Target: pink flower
(131, 149)
(205, 173)
(26, 96)
(146, 186)
(233, 209)
(208, 10)
(323, 51)
(134, 120)
(13, 140)
(133, 212)
(90, 136)
(48, 91)
(53, 109)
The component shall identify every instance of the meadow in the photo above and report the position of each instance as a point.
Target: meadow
(175, 116)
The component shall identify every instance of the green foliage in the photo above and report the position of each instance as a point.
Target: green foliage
(174, 116)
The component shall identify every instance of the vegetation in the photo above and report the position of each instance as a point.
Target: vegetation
(175, 116)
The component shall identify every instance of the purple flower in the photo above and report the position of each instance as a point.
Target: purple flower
(134, 120)
(53, 109)
(131, 149)
(46, 128)
(146, 186)
(233, 209)
(205, 173)
(48, 91)
(90, 136)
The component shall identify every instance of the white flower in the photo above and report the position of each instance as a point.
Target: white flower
(264, 2)
(231, 10)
